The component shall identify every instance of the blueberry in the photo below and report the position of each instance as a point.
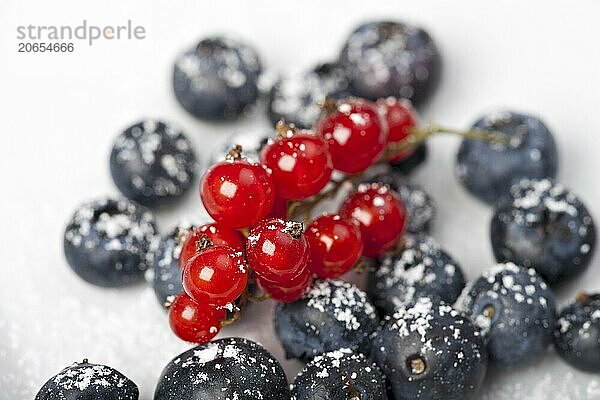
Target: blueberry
(420, 269)
(153, 163)
(577, 333)
(541, 225)
(217, 80)
(295, 98)
(340, 375)
(428, 350)
(165, 274)
(412, 162)
(85, 381)
(332, 315)
(251, 140)
(488, 170)
(420, 206)
(225, 369)
(515, 310)
(383, 59)
(108, 241)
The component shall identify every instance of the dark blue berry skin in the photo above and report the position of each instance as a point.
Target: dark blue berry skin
(224, 369)
(420, 206)
(542, 225)
(332, 315)
(577, 333)
(385, 58)
(85, 381)
(340, 375)
(166, 275)
(412, 162)
(217, 80)
(515, 310)
(488, 170)
(296, 98)
(429, 351)
(420, 269)
(153, 163)
(108, 242)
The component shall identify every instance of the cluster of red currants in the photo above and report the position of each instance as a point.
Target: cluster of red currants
(249, 203)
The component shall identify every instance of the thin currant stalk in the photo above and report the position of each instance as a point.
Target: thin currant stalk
(305, 208)
(420, 135)
(242, 302)
(417, 136)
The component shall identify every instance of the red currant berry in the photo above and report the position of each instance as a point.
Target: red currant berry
(401, 117)
(193, 322)
(279, 209)
(356, 135)
(277, 250)
(380, 214)
(237, 193)
(300, 164)
(215, 276)
(335, 246)
(292, 291)
(217, 234)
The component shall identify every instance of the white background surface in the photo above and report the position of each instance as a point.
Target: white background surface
(60, 113)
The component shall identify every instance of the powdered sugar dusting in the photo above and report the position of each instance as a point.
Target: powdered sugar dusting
(113, 225)
(345, 298)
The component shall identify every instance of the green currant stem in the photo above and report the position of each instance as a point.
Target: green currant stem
(419, 135)
(305, 208)
(232, 320)
(360, 266)
(260, 298)
(245, 232)
(239, 308)
(242, 302)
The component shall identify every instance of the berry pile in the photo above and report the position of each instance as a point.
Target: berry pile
(353, 136)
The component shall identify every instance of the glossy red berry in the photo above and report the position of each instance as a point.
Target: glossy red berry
(217, 234)
(401, 117)
(380, 214)
(279, 209)
(291, 291)
(216, 276)
(300, 163)
(335, 246)
(237, 193)
(193, 322)
(356, 135)
(277, 250)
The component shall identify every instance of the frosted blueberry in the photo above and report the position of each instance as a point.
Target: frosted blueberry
(153, 163)
(420, 268)
(224, 369)
(108, 242)
(542, 225)
(85, 381)
(340, 375)
(332, 315)
(386, 58)
(515, 310)
(428, 350)
(217, 80)
(487, 170)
